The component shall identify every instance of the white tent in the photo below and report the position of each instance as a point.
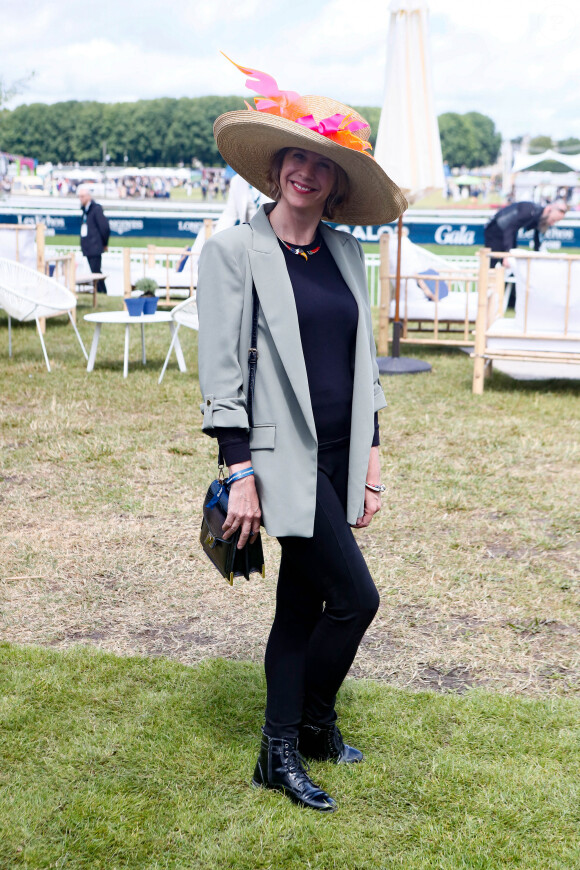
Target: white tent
(408, 144)
(528, 161)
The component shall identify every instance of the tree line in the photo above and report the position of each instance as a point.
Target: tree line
(167, 131)
(160, 132)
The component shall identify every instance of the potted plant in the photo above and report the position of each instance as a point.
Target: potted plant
(147, 287)
(134, 305)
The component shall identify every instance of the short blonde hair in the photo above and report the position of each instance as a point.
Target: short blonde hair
(338, 194)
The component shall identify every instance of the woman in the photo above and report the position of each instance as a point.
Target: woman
(310, 463)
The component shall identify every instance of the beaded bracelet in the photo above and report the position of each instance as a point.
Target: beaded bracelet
(379, 487)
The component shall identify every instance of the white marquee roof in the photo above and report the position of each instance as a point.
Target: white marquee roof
(527, 161)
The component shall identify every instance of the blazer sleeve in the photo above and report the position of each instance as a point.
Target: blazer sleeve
(379, 396)
(220, 302)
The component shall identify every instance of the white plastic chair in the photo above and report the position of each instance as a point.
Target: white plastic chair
(184, 314)
(26, 294)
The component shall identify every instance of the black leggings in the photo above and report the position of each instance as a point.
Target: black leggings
(326, 599)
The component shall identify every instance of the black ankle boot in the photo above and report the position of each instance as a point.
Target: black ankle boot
(280, 767)
(325, 743)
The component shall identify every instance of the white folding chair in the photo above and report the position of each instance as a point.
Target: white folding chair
(184, 314)
(26, 294)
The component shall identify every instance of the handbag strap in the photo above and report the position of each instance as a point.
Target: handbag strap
(253, 356)
(252, 365)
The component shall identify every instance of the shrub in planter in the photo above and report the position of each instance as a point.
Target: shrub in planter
(146, 286)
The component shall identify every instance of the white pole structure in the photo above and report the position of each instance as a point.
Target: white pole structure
(408, 144)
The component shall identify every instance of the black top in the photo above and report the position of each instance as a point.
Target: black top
(502, 231)
(327, 318)
(96, 237)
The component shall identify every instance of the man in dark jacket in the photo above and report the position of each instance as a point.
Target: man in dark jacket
(94, 232)
(501, 232)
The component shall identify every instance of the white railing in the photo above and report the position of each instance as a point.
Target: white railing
(373, 262)
(114, 259)
(114, 256)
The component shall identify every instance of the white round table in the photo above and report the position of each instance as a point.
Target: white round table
(123, 318)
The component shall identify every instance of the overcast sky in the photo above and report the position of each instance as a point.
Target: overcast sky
(515, 60)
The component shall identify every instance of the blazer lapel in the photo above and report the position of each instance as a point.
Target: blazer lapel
(276, 297)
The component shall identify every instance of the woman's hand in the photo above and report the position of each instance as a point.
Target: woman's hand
(372, 499)
(243, 508)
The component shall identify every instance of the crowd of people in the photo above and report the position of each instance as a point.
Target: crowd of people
(123, 187)
(213, 184)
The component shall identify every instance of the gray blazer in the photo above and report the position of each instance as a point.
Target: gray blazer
(283, 440)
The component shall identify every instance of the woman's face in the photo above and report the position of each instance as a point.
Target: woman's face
(306, 179)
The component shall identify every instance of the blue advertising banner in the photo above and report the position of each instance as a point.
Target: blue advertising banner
(456, 232)
(423, 233)
(121, 225)
(423, 230)
(56, 225)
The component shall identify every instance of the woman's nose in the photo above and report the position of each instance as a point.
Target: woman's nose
(307, 169)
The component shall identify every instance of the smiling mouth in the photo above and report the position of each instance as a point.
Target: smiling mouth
(302, 188)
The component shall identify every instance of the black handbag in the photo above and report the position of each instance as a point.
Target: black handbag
(224, 554)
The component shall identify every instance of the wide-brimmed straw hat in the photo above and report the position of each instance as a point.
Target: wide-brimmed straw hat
(249, 139)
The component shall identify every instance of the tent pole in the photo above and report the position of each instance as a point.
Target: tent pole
(398, 278)
(397, 326)
(395, 364)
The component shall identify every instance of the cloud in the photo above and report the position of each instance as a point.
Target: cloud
(515, 62)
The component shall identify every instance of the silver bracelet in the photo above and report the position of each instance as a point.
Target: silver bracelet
(379, 487)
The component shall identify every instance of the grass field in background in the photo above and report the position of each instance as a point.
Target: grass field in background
(369, 247)
(124, 241)
(438, 200)
(180, 194)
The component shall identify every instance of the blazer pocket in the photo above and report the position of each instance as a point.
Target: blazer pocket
(263, 436)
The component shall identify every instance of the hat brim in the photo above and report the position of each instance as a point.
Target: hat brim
(248, 141)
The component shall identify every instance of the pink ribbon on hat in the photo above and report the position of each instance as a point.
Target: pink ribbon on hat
(336, 128)
(333, 124)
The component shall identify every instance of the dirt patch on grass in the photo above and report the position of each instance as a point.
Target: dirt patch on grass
(456, 680)
(137, 583)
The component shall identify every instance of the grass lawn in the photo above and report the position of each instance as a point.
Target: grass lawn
(143, 763)
(475, 552)
(369, 247)
(438, 200)
(124, 241)
(112, 761)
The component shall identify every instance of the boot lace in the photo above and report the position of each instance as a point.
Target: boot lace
(296, 764)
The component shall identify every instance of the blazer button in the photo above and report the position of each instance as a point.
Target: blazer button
(209, 401)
